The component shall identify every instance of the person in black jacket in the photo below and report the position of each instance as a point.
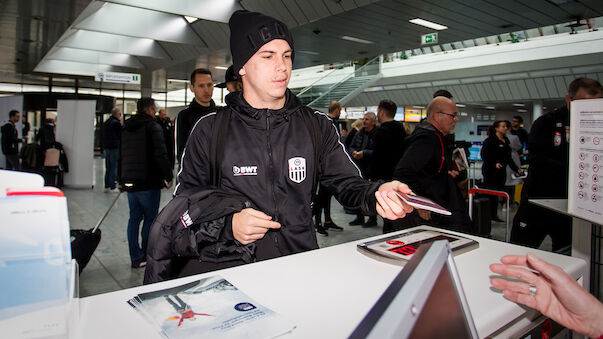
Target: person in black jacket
(323, 197)
(548, 157)
(202, 85)
(387, 146)
(168, 133)
(46, 134)
(268, 159)
(425, 167)
(111, 136)
(11, 140)
(144, 171)
(361, 150)
(496, 153)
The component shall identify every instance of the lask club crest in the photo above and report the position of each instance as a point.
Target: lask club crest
(297, 169)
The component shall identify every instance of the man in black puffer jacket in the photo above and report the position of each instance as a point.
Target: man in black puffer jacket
(144, 169)
(268, 159)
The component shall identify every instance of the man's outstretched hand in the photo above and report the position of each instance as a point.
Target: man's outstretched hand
(389, 205)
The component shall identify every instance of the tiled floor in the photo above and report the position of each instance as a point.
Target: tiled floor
(109, 269)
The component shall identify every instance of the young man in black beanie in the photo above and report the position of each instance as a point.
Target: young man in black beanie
(268, 160)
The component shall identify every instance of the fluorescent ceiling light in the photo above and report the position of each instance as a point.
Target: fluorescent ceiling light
(308, 52)
(490, 107)
(177, 80)
(221, 67)
(351, 38)
(461, 105)
(190, 19)
(426, 23)
(519, 105)
(521, 110)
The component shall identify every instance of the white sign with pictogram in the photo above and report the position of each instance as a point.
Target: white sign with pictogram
(585, 194)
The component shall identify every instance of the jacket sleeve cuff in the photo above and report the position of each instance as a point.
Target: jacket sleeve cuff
(227, 233)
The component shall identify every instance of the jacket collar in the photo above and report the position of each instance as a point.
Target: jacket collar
(195, 106)
(237, 102)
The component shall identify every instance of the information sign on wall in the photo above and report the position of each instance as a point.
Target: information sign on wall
(122, 78)
(585, 191)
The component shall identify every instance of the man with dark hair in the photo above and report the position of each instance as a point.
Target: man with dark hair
(10, 141)
(442, 93)
(426, 167)
(548, 146)
(387, 146)
(267, 168)
(202, 85)
(232, 82)
(143, 171)
(110, 143)
(517, 129)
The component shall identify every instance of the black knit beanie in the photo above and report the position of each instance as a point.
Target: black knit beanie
(249, 31)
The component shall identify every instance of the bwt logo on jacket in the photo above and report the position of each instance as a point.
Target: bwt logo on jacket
(244, 170)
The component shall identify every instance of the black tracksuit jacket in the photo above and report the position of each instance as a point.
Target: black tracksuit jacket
(186, 120)
(265, 158)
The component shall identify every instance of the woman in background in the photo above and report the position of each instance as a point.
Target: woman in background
(496, 153)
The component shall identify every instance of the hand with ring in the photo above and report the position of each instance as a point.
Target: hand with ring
(548, 289)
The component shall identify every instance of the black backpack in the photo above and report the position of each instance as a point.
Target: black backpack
(220, 131)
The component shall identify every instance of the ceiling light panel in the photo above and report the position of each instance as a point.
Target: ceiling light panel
(140, 23)
(106, 42)
(351, 38)
(94, 57)
(213, 10)
(429, 24)
(69, 67)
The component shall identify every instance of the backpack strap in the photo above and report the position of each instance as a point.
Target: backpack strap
(442, 149)
(313, 126)
(217, 144)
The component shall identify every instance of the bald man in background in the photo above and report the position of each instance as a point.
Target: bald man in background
(427, 171)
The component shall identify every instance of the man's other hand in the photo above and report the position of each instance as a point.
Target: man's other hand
(389, 205)
(250, 225)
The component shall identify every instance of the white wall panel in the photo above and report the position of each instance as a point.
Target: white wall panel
(75, 130)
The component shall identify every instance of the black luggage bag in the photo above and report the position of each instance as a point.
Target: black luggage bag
(84, 242)
(481, 216)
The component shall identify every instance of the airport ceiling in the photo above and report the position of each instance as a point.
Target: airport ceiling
(64, 30)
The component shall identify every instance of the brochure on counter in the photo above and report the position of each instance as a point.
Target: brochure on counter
(208, 308)
(398, 249)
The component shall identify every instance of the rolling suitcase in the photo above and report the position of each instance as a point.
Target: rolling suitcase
(480, 217)
(84, 242)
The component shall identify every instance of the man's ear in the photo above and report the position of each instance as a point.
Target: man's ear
(242, 71)
(191, 87)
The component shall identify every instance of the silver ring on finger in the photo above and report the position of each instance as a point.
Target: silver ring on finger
(532, 289)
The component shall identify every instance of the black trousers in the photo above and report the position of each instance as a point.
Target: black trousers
(533, 223)
(12, 162)
(322, 202)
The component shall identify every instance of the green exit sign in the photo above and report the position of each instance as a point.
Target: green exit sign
(431, 38)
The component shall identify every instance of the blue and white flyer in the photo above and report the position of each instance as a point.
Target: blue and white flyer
(209, 308)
